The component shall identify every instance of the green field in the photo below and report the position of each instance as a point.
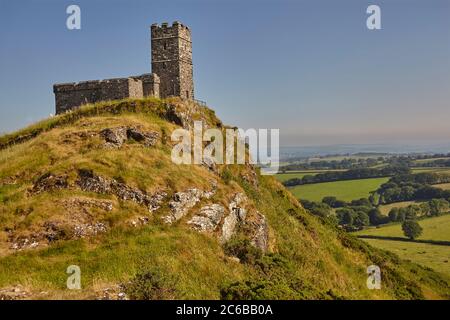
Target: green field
(437, 228)
(434, 256)
(343, 190)
(429, 255)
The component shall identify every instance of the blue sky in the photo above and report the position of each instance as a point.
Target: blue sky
(310, 68)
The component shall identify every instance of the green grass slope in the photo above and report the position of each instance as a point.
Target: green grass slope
(307, 258)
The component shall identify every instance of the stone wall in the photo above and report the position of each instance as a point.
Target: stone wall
(172, 59)
(72, 95)
(150, 84)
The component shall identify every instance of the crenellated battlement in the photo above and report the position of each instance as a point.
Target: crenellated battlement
(166, 31)
(165, 25)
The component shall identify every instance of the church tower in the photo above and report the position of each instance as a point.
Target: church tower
(172, 59)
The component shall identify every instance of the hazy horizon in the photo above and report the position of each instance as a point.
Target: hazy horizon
(310, 68)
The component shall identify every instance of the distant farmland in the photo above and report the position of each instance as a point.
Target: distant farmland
(431, 255)
(385, 208)
(300, 174)
(344, 190)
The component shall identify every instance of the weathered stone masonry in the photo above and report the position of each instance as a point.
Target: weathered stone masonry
(172, 75)
(172, 59)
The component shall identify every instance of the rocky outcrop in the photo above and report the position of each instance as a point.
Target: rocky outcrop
(77, 223)
(50, 231)
(90, 182)
(53, 231)
(182, 202)
(250, 176)
(210, 164)
(49, 182)
(74, 204)
(228, 228)
(89, 229)
(148, 139)
(208, 218)
(260, 228)
(180, 116)
(116, 137)
(116, 292)
(14, 293)
(22, 243)
(237, 214)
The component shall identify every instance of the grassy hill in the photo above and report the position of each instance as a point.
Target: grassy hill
(97, 188)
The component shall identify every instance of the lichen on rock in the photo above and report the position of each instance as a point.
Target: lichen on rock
(208, 218)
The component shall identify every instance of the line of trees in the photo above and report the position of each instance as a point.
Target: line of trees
(370, 160)
(432, 208)
(351, 174)
(357, 214)
(347, 163)
(409, 187)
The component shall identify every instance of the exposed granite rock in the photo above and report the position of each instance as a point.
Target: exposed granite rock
(180, 117)
(228, 227)
(210, 164)
(255, 223)
(77, 223)
(14, 293)
(116, 292)
(114, 137)
(237, 214)
(208, 218)
(53, 231)
(89, 230)
(88, 181)
(73, 203)
(148, 139)
(49, 182)
(50, 231)
(250, 176)
(260, 237)
(182, 202)
(22, 243)
(236, 206)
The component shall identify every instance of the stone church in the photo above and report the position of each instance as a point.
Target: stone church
(172, 74)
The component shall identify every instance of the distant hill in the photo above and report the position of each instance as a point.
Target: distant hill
(96, 188)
